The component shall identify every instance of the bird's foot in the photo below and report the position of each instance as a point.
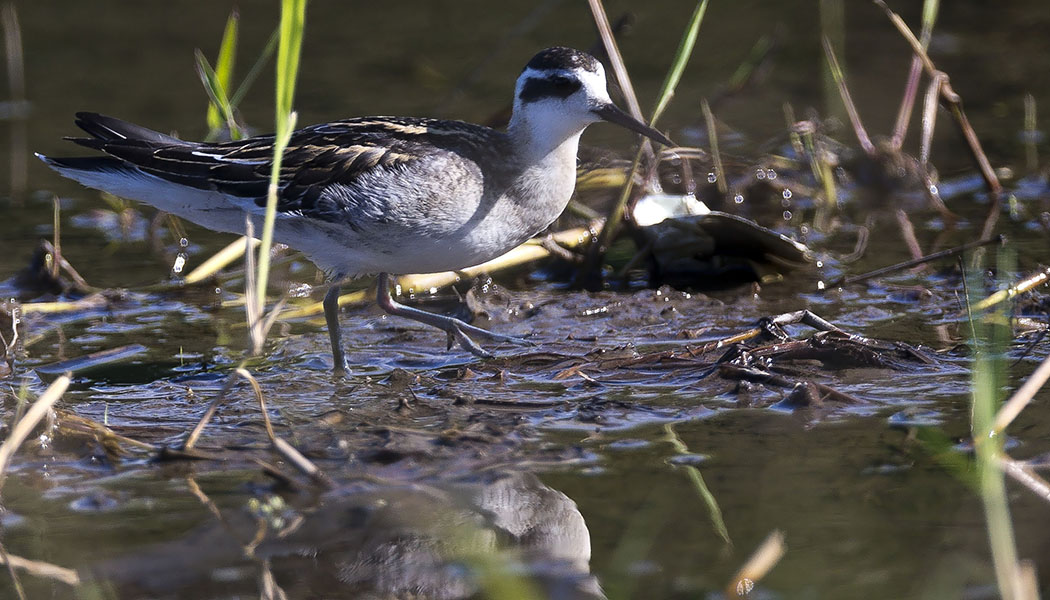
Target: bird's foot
(457, 332)
(340, 366)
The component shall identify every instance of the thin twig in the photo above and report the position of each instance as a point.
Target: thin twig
(302, 463)
(712, 137)
(270, 590)
(847, 100)
(283, 448)
(952, 99)
(859, 248)
(911, 90)
(191, 439)
(56, 233)
(43, 569)
(908, 233)
(841, 281)
(1021, 287)
(1031, 150)
(757, 566)
(208, 503)
(697, 479)
(612, 50)
(243, 373)
(1022, 397)
(929, 117)
(32, 418)
(1024, 475)
(219, 260)
(15, 579)
(66, 266)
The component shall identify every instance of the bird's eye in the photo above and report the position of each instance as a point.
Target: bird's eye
(561, 82)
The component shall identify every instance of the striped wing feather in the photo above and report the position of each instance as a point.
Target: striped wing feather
(316, 157)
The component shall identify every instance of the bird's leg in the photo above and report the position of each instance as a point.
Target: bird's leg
(455, 328)
(331, 317)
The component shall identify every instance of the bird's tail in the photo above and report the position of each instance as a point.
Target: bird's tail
(108, 129)
(103, 131)
(83, 163)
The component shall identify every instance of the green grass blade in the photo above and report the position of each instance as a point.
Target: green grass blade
(839, 78)
(832, 26)
(224, 68)
(991, 337)
(293, 21)
(217, 99)
(253, 73)
(681, 59)
(929, 14)
(714, 511)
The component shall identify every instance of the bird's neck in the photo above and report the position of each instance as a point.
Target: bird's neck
(546, 162)
(541, 138)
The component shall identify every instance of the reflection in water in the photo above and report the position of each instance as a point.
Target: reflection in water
(383, 541)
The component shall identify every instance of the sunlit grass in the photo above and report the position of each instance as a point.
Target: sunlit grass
(220, 110)
(293, 22)
(218, 80)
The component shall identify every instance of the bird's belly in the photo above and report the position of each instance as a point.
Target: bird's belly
(346, 252)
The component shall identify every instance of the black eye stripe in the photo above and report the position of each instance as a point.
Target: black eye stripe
(558, 87)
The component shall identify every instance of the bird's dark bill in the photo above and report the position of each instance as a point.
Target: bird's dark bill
(613, 114)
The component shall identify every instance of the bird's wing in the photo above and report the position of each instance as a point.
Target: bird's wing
(316, 157)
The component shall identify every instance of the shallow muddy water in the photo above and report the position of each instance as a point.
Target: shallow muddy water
(625, 453)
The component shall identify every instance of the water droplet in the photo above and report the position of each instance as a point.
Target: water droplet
(711, 178)
(786, 194)
(302, 290)
(820, 285)
(760, 174)
(820, 264)
(771, 174)
(933, 190)
(183, 242)
(180, 263)
(787, 215)
(744, 587)
(739, 199)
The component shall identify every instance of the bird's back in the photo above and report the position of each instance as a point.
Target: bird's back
(359, 195)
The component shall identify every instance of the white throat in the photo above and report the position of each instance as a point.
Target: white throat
(542, 128)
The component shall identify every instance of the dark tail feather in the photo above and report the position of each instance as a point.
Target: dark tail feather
(85, 163)
(108, 128)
